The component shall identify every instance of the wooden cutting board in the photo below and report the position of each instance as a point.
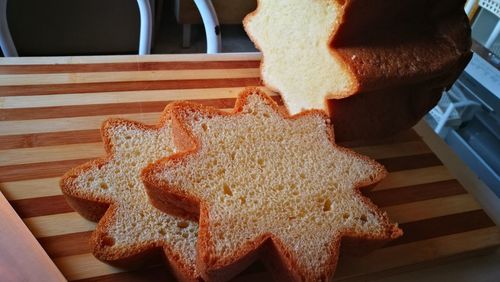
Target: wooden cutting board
(51, 109)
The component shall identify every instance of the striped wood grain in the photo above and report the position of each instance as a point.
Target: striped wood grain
(23, 189)
(51, 110)
(94, 150)
(144, 75)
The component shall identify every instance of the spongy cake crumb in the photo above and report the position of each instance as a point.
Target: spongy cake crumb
(135, 223)
(260, 173)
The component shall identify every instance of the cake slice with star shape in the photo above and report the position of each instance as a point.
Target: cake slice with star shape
(262, 180)
(109, 190)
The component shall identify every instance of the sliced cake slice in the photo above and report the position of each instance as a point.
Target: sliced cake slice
(263, 180)
(109, 190)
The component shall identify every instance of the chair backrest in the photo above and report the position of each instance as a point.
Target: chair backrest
(6, 43)
(205, 7)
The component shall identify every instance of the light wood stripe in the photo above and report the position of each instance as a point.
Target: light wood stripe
(64, 78)
(417, 252)
(394, 150)
(252, 56)
(20, 127)
(51, 153)
(27, 189)
(93, 150)
(432, 208)
(84, 266)
(58, 224)
(65, 124)
(21, 102)
(414, 177)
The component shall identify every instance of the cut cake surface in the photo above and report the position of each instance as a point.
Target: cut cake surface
(258, 175)
(109, 190)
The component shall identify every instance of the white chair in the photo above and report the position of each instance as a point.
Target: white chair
(8, 47)
(205, 7)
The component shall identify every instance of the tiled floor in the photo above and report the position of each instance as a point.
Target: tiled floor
(169, 40)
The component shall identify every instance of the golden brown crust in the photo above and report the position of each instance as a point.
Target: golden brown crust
(220, 269)
(404, 42)
(103, 210)
(375, 115)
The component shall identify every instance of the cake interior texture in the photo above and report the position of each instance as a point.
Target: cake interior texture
(259, 173)
(135, 222)
(298, 59)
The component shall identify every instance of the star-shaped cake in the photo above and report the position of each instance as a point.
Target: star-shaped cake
(111, 188)
(261, 179)
(332, 49)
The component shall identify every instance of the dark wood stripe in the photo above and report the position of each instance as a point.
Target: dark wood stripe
(49, 139)
(67, 244)
(115, 67)
(405, 136)
(70, 88)
(410, 162)
(161, 273)
(37, 170)
(41, 206)
(421, 192)
(101, 109)
(108, 109)
(93, 135)
(149, 274)
(57, 168)
(442, 226)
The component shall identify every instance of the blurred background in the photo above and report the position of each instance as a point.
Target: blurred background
(100, 27)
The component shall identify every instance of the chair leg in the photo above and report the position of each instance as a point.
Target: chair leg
(6, 43)
(211, 23)
(186, 35)
(146, 27)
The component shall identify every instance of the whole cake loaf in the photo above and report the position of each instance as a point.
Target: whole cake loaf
(393, 57)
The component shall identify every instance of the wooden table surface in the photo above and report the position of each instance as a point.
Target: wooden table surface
(50, 112)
